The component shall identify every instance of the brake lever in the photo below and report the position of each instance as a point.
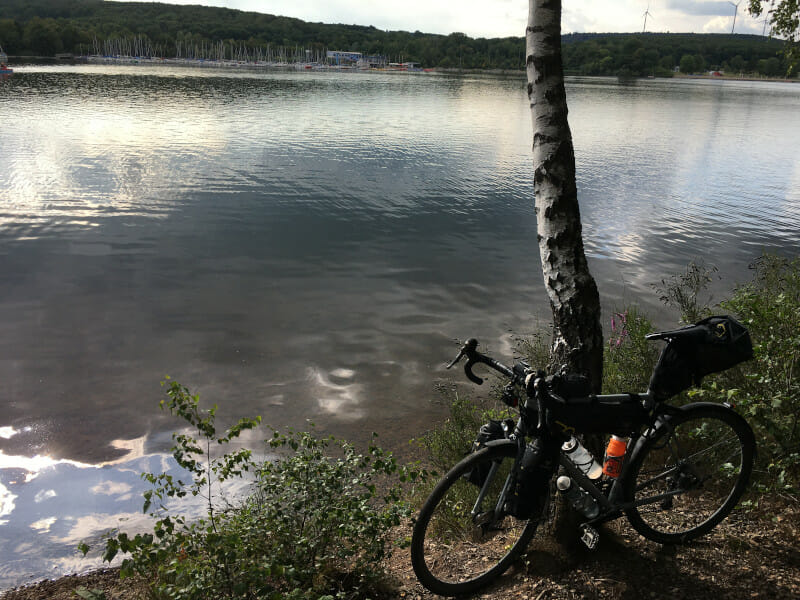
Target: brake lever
(468, 348)
(456, 359)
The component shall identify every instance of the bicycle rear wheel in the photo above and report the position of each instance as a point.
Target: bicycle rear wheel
(459, 544)
(690, 474)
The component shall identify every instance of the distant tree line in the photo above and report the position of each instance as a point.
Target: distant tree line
(49, 27)
(659, 54)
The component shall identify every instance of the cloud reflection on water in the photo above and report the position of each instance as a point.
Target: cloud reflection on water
(48, 506)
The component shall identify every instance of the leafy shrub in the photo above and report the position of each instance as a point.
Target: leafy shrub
(326, 520)
(314, 526)
(629, 359)
(685, 291)
(449, 441)
(766, 390)
(535, 348)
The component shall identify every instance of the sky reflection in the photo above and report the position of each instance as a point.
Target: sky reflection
(48, 507)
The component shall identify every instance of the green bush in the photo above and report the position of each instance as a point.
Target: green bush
(450, 441)
(328, 520)
(686, 291)
(629, 359)
(314, 525)
(766, 390)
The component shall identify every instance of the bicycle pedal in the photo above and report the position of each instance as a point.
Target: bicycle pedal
(589, 536)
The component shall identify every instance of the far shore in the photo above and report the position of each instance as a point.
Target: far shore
(132, 61)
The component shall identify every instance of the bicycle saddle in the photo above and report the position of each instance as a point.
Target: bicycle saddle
(690, 332)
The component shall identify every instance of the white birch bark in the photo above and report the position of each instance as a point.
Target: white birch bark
(577, 335)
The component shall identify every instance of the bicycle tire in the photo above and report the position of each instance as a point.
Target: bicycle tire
(453, 555)
(708, 451)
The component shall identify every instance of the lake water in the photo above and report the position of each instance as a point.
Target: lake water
(310, 245)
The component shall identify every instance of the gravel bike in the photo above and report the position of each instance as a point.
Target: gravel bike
(681, 472)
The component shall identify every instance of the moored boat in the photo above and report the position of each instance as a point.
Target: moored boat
(4, 68)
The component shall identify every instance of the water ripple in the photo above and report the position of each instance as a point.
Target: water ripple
(308, 244)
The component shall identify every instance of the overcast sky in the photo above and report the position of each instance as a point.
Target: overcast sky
(499, 18)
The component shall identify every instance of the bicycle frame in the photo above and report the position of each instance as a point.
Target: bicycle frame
(610, 503)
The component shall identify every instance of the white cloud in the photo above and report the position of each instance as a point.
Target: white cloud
(43, 495)
(43, 525)
(718, 25)
(87, 526)
(111, 488)
(691, 7)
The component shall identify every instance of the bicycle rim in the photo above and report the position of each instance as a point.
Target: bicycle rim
(696, 469)
(456, 547)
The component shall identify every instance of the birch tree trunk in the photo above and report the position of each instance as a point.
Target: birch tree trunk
(575, 302)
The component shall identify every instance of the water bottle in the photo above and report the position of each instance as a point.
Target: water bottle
(581, 500)
(582, 458)
(615, 454)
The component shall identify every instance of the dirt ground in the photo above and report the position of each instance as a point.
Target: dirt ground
(744, 557)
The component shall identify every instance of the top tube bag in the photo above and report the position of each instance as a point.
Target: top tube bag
(574, 408)
(684, 361)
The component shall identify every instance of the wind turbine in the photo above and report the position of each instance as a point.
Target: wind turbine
(735, 12)
(765, 20)
(647, 13)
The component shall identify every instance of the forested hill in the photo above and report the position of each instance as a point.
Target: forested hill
(48, 27)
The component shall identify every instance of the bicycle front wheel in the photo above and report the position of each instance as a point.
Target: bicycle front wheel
(463, 539)
(690, 474)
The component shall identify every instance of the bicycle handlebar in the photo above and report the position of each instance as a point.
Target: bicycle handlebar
(534, 381)
(469, 349)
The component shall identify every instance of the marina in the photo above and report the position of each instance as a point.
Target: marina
(140, 51)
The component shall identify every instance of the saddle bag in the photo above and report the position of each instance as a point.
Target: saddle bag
(720, 343)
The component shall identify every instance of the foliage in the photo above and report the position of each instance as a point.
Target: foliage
(684, 291)
(629, 359)
(46, 27)
(312, 526)
(783, 17)
(328, 520)
(658, 54)
(449, 442)
(767, 389)
(535, 349)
